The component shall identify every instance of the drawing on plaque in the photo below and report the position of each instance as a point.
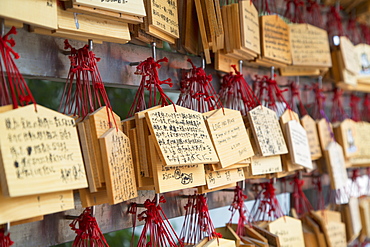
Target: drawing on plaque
(267, 132)
(186, 178)
(365, 64)
(351, 141)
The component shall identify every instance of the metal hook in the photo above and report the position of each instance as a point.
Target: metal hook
(156, 196)
(76, 20)
(93, 210)
(320, 82)
(90, 42)
(272, 72)
(203, 62)
(300, 175)
(2, 27)
(241, 66)
(7, 228)
(154, 51)
(297, 80)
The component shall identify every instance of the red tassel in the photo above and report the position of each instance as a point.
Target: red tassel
(300, 203)
(266, 206)
(88, 232)
(295, 99)
(81, 98)
(235, 93)
(150, 81)
(5, 240)
(238, 206)
(157, 231)
(13, 88)
(197, 91)
(337, 110)
(198, 223)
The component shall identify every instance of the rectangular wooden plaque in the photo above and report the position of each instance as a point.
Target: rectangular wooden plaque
(229, 136)
(223, 177)
(130, 7)
(40, 152)
(118, 166)
(309, 45)
(275, 39)
(181, 136)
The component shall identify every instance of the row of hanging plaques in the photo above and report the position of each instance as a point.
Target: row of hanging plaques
(162, 149)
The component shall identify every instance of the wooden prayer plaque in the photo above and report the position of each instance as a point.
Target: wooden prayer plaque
(289, 230)
(364, 205)
(100, 122)
(309, 45)
(181, 136)
(118, 166)
(93, 27)
(229, 136)
(265, 165)
(349, 55)
(23, 207)
(313, 139)
(267, 132)
(228, 233)
(223, 177)
(334, 229)
(363, 56)
(129, 7)
(40, 152)
(163, 16)
(352, 219)
(272, 239)
(275, 39)
(299, 147)
(250, 35)
(336, 166)
(223, 62)
(87, 153)
(36, 12)
(216, 242)
(171, 178)
(346, 135)
(324, 130)
(89, 199)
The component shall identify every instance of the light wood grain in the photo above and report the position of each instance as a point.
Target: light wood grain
(25, 221)
(164, 17)
(89, 199)
(229, 136)
(223, 177)
(118, 166)
(264, 165)
(171, 178)
(289, 231)
(216, 242)
(349, 55)
(313, 139)
(181, 136)
(142, 132)
(309, 46)
(228, 232)
(204, 189)
(85, 148)
(346, 135)
(299, 71)
(334, 230)
(267, 132)
(101, 120)
(275, 43)
(249, 25)
(299, 148)
(40, 152)
(24, 207)
(104, 29)
(35, 12)
(336, 166)
(202, 30)
(364, 205)
(130, 7)
(107, 14)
